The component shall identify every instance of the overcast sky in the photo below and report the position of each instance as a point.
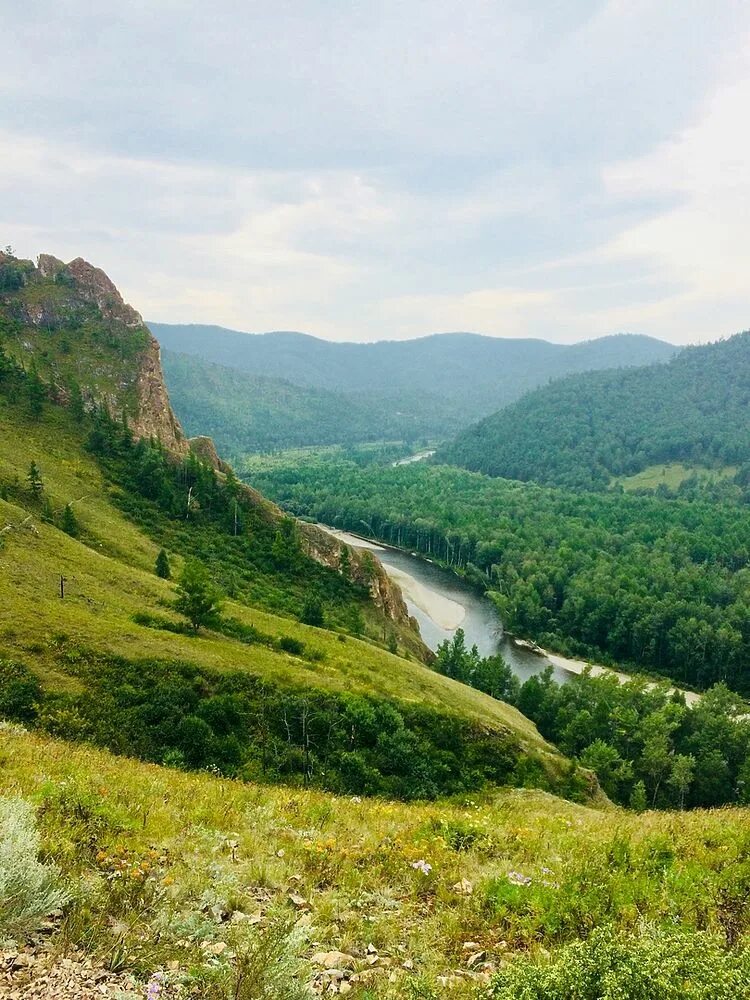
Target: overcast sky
(368, 169)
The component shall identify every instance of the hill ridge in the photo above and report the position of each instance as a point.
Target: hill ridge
(586, 428)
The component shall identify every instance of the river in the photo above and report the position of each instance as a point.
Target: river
(441, 603)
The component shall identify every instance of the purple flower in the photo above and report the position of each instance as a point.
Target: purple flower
(155, 983)
(518, 879)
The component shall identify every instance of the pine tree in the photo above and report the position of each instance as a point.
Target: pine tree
(312, 611)
(199, 600)
(345, 562)
(162, 567)
(34, 479)
(69, 522)
(36, 394)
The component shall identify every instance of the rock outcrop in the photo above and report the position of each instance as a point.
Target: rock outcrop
(203, 447)
(365, 568)
(123, 370)
(155, 417)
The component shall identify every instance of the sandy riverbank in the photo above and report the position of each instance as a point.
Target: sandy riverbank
(446, 614)
(354, 540)
(578, 666)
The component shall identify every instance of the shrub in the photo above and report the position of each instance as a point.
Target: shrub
(20, 692)
(267, 964)
(29, 889)
(291, 645)
(612, 966)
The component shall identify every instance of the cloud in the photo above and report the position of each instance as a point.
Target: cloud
(388, 169)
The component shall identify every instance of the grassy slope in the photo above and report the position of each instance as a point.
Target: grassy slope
(111, 578)
(671, 475)
(351, 861)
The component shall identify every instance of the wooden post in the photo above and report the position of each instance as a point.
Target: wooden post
(63, 581)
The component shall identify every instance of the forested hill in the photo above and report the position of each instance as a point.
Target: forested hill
(436, 385)
(584, 429)
(256, 413)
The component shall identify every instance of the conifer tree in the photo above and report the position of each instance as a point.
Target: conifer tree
(199, 599)
(162, 567)
(69, 522)
(35, 394)
(34, 479)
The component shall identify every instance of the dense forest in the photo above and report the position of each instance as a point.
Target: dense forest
(661, 584)
(247, 413)
(645, 744)
(432, 386)
(582, 430)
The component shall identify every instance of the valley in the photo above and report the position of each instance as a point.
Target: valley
(375, 612)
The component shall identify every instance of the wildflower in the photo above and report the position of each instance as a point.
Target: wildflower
(422, 866)
(516, 878)
(155, 983)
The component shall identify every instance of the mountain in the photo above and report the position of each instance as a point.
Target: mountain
(583, 430)
(271, 657)
(431, 386)
(253, 413)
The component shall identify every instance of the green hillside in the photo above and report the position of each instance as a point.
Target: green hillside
(227, 773)
(294, 677)
(583, 430)
(247, 413)
(424, 388)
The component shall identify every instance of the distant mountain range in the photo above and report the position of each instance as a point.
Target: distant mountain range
(584, 429)
(415, 389)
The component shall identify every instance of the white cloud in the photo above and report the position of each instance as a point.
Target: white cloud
(389, 170)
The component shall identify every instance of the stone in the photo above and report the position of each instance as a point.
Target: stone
(334, 960)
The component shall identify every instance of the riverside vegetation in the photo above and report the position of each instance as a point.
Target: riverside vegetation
(660, 583)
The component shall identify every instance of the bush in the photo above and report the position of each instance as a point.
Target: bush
(611, 966)
(28, 889)
(291, 645)
(267, 964)
(20, 692)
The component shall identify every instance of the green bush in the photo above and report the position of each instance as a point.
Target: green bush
(655, 965)
(20, 692)
(291, 645)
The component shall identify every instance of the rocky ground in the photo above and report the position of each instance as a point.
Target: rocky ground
(36, 971)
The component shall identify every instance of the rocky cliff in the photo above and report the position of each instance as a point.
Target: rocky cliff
(70, 322)
(365, 568)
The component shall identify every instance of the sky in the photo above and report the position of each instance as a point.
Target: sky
(373, 169)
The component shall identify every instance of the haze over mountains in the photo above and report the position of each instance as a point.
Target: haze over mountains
(424, 388)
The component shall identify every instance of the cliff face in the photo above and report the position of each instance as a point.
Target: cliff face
(75, 327)
(366, 569)
(155, 417)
